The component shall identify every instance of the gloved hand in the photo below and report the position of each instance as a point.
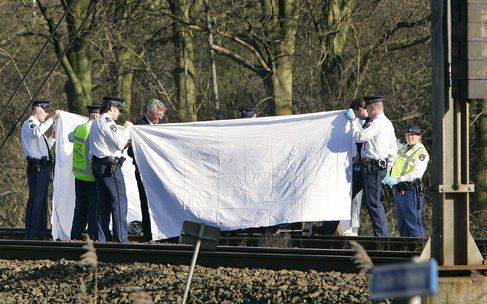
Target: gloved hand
(389, 180)
(392, 181)
(349, 114)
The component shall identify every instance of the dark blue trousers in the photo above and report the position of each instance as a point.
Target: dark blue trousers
(372, 192)
(409, 211)
(111, 201)
(84, 210)
(357, 180)
(36, 210)
(144, 207)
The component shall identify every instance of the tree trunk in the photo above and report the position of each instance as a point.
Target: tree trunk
(77, 62)
(126, 82)
(184, 72)
(78, 86)
(282, 26)
(124, 53)
(332, 45)
(214, 78)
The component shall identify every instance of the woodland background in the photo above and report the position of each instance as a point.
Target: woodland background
(205, 58)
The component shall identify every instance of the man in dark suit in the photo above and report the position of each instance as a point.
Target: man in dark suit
(155, 113)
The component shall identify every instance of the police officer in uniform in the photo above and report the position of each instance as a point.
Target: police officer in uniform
(360, 113)
(107, 142)
(378, 154)
(155, 113)
(36, 148)
(411, 162)
(84, 181)
(248, 111)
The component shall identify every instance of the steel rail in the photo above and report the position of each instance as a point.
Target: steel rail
(300, 241)
(227, 256)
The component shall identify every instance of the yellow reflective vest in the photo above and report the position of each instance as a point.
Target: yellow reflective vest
(81, 155)
(405, 160)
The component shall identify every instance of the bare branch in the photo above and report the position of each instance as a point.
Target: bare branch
(237, 58)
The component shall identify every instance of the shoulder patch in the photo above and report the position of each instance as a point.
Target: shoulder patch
(422, 157)
(32, 125)
(107, 119)
(113, 128)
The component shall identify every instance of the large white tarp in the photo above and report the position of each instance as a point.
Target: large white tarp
(64, 196)
(247, 172)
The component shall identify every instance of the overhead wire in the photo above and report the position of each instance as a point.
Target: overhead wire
(9, 100)
(90, 11)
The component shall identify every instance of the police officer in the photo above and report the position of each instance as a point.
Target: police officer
(378, 154)
(411, 162)
(248, 111)
(84, 181)
(107, 142)
(36, 148)
(350, 227)
(155, 113)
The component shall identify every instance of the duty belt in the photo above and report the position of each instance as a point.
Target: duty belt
(373, 164)
(109, 159)
(34, 164)
(405, 186)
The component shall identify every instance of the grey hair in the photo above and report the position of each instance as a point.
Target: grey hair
(154, 105)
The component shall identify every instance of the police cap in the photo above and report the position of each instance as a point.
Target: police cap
(247, 111)
(114, 101)
(413, 128)
(372, 99)
(93, 109)
(45, 104)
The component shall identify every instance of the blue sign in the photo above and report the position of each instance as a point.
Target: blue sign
(404, 280)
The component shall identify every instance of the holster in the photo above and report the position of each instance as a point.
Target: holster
(35, 165)
(405, 186)
(116, 162)
(112, 163)
(373, 165)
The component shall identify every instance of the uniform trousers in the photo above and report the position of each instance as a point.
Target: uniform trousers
(111, 200)
(409, 212)
(85, 209)
(357, 180)
(36, 210)
(144, 207)
(372, 191)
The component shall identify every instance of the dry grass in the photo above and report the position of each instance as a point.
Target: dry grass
(89, 262)
(13, 184)
(480, 283)
(361, 258)
(279, 240)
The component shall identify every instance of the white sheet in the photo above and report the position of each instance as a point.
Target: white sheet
(64, 195)
(247, 172)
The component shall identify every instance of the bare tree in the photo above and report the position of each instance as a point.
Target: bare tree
(183, 12)
(77, 62)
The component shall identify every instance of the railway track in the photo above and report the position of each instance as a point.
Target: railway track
(228, 256)
(294, 240)
(320, 253)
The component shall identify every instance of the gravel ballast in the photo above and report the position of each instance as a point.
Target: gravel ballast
(68, 282)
